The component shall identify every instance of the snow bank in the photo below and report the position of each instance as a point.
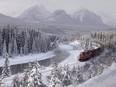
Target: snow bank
(107, 79)
(65, 47)
(28, 58)
(75, 43)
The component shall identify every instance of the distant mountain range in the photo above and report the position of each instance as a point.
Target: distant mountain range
(58, 22)
(82, 17)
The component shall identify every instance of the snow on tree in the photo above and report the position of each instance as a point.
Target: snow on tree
(4, 48)
(100, 69)
(35, 78)
(66, 74)
(2, 83)
(6, 72)
(80, 77)
(86, 72)
(20, 40)
(25, 77)
(16, 81)
(36, 64)
(55, 74)
(14, 47)
(29, 68)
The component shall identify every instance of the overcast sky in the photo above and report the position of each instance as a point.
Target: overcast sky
(15, 7)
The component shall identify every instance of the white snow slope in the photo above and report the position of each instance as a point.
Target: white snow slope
(107, 79)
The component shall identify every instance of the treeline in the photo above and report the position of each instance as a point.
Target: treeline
(105, 38)
(70, 37)
(17, 40)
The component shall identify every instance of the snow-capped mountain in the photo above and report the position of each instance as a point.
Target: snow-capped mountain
(88, 18)
(60, 16)
(83, 17)
(35, 14)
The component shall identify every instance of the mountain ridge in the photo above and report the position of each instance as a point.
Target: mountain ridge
(83, 17)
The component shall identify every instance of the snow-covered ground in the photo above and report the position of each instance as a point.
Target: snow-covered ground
(71, 59)
(28, 58)
(106, 79)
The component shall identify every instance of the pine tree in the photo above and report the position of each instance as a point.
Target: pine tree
(25, 77)
(16, 81)
(55, 80)
(6, 72)
(14, 47)
(66, 76)
(35, 78)
(4, 49)
(80, 77)
(15, 40)
(29, 68)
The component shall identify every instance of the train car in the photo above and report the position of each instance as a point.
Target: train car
(84, 56)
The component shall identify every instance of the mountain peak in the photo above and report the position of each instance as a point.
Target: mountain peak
(82, 17)
(87, 17)
(35, 13)
(60, 16)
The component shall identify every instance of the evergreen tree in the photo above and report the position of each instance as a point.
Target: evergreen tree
(6, 72)
(80, 77)
(4, 49)
(16, 81)
(35, 78)
(16, 40)
(66, 76)
(55, 74)
(25, 77)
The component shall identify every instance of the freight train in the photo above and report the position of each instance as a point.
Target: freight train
(84, 56)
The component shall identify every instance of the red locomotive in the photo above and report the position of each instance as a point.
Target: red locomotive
(89, 54)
